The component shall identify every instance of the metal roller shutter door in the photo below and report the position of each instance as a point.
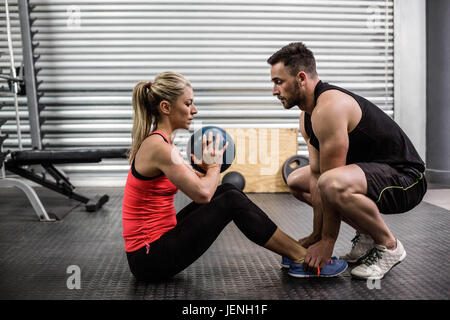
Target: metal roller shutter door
(91, 53)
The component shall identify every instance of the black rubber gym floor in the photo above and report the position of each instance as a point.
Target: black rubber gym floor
(35, 256)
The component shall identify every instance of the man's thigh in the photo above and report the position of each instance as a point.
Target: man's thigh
(393, 190)
(350, 178)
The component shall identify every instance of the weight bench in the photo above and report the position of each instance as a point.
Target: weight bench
(19, 161)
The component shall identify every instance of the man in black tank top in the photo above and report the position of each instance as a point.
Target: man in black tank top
(362, 164)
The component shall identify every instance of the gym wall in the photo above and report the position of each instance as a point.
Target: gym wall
(91, 53)
(438, 94)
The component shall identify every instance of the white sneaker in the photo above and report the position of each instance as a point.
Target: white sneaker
(361, 245)
(379, 261)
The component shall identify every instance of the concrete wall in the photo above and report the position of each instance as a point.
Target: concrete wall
(410, 70)
(438, 91)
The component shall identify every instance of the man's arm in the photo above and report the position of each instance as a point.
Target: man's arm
(330, 122)
(315, 196)
(314, 165)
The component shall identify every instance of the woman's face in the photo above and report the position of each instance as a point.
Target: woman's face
(184, 110)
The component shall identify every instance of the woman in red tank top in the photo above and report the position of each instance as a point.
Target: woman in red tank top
(158, 242)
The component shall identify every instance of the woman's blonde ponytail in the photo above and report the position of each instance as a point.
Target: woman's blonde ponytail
(146, 99)
(143, 118)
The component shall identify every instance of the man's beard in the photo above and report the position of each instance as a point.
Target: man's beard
(295, 99)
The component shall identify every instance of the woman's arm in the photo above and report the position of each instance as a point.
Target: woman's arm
(200, 188)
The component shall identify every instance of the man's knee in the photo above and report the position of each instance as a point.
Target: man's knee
(334, 187)
(299, 180)
(292, 184)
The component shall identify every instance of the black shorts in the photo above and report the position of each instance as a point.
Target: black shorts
(394, 189)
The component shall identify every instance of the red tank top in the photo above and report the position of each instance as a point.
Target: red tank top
(148, 209)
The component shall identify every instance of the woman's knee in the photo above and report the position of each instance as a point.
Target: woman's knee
(233, 193)
(223, 188)
(230, 197)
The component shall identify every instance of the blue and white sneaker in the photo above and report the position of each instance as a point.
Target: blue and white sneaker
(333, 268)
(286, 262)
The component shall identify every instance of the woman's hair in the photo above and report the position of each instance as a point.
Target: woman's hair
(296, 57)
(146, 99)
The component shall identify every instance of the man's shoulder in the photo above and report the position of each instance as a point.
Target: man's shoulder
(332, 98)
(334, 105)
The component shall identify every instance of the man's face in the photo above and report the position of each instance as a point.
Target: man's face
(285, 86)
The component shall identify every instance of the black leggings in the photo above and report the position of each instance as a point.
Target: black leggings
(198, 225)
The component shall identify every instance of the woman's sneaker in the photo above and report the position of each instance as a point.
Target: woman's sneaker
(285, 262)
(361, 245)
(333, 268)
(379, 262)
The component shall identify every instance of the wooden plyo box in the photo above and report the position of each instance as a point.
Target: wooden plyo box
(260, 155)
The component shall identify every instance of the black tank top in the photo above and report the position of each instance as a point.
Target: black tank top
(376, 138)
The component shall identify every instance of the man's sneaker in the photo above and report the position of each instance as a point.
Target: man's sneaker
(379, 261)
(361, 245)
(333, 268)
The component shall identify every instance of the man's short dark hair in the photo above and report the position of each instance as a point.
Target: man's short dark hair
(296, 57)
